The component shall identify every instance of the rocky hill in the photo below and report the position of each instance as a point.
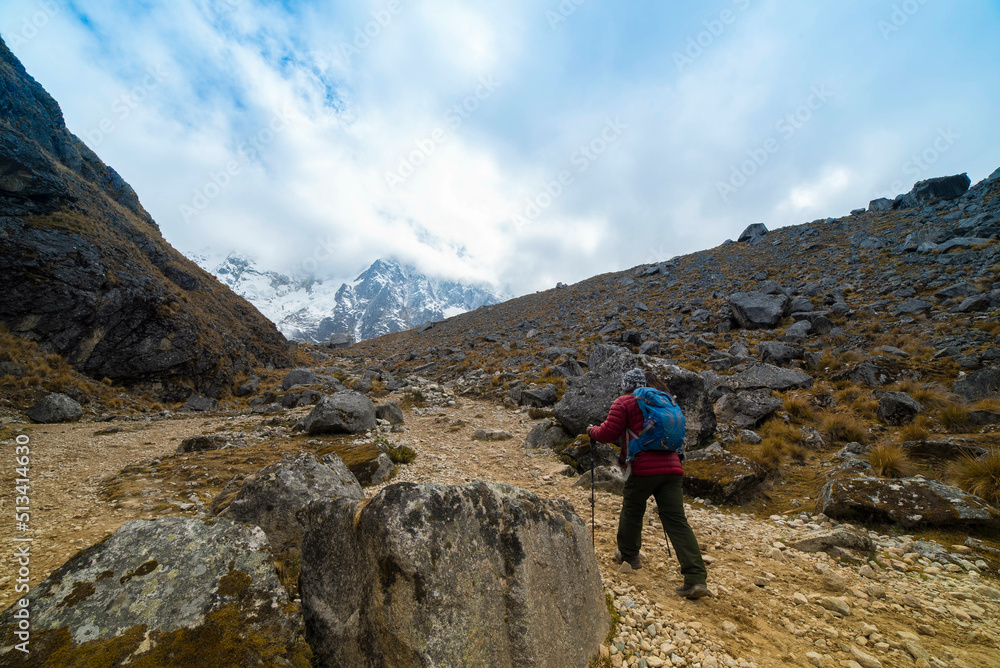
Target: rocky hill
(387, 297)
(88, 276)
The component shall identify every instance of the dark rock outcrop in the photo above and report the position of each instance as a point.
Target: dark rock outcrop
(390, 412)
(760, 376)
(909, 502)
(166, 592)
(546, 435)
(87, 274)
(483, 574)
(588, 398)
(979, 384)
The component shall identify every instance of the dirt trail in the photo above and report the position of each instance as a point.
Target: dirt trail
(768, 608)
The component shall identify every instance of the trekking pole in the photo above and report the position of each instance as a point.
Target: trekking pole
(667, 538)
(593, 529)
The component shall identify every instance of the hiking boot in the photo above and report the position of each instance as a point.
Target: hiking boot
(634, 562)
(693, 591)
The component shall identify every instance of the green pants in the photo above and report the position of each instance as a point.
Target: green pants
(666, 489)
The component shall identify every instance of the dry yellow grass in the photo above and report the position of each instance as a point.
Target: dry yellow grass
(915, 431)
(890, 461)
(954, 417)
(799, 409)
(979, 475)
(843, 429)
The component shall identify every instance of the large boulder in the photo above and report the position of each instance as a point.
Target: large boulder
(898, 408)
(605, 479)
(483, 574)
(390, 412)
(979, 384)
(759, 376)
(749, 409)
(752, 233)
(722, 477)
(778, 353)
(589, 397)
(55, 408)
(909, 502)
(167, 592)
(865, 372)
(300, 376)
(341, 413)
(270, 497)
(755, 310)
(539, 397)
(546, 435)
(692, 393)
(943, 187)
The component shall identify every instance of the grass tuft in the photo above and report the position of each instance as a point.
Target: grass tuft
(979, 475)
(954, 417)
(890, 461)
(844, 429)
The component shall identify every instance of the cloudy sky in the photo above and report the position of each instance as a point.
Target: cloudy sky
(521, 142)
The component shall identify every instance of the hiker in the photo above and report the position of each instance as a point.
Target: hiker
(654, 473)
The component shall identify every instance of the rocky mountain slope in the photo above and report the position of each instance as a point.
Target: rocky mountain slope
(387, 297)
(87, 274)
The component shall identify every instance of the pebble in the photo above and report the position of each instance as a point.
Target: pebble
(866, 660)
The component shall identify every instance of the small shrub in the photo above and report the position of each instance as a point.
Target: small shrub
(414, 398)
(954, 417)
(402, 454)
(890, 461)
(979, 475)
(540, 413)
(842, 428)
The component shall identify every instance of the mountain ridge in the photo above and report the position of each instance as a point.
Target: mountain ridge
(385, 298)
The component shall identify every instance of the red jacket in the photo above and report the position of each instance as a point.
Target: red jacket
(626, 414)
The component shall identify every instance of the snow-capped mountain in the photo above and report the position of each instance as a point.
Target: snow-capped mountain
(387, 297)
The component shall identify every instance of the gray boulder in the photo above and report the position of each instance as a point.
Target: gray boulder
(55, 408)
(722, 477)
(171, 591)
(834, 540)
(747, 409)
(580, 452)
(753, 232)
(484, 574)
(956, 290)
(391, 412)
(270, 497)
(944, 187)
(588, 398)
(203, 442)
(766, 376)
(912, 307)
(546, 435)
(979, 384)
(775, 352)
(865, 372)
(880, 204)
(692, 393)
(755, 310)
(798, 331)
(909, 502)
(341, 413)
(198, 403)
(298, 377)
(898, 408)
(539, 397)
(650, 348)
(606, 479)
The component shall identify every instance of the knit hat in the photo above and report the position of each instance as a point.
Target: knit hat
(633, 379)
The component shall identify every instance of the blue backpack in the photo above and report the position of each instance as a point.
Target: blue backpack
(663, 423)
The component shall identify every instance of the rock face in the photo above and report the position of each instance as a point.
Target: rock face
(747, 410)
(692, 395)
(588, 398)
(166, 592)
(722, 477)
(452, 576)
(943, 187)
(55, 408)
(546, 434)
(979, 384)
(341, 413)
(87, 274)
(390, 412)
(270, 497)
(298, 377)
(909, 502)
(755, 310)
(898, 408)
